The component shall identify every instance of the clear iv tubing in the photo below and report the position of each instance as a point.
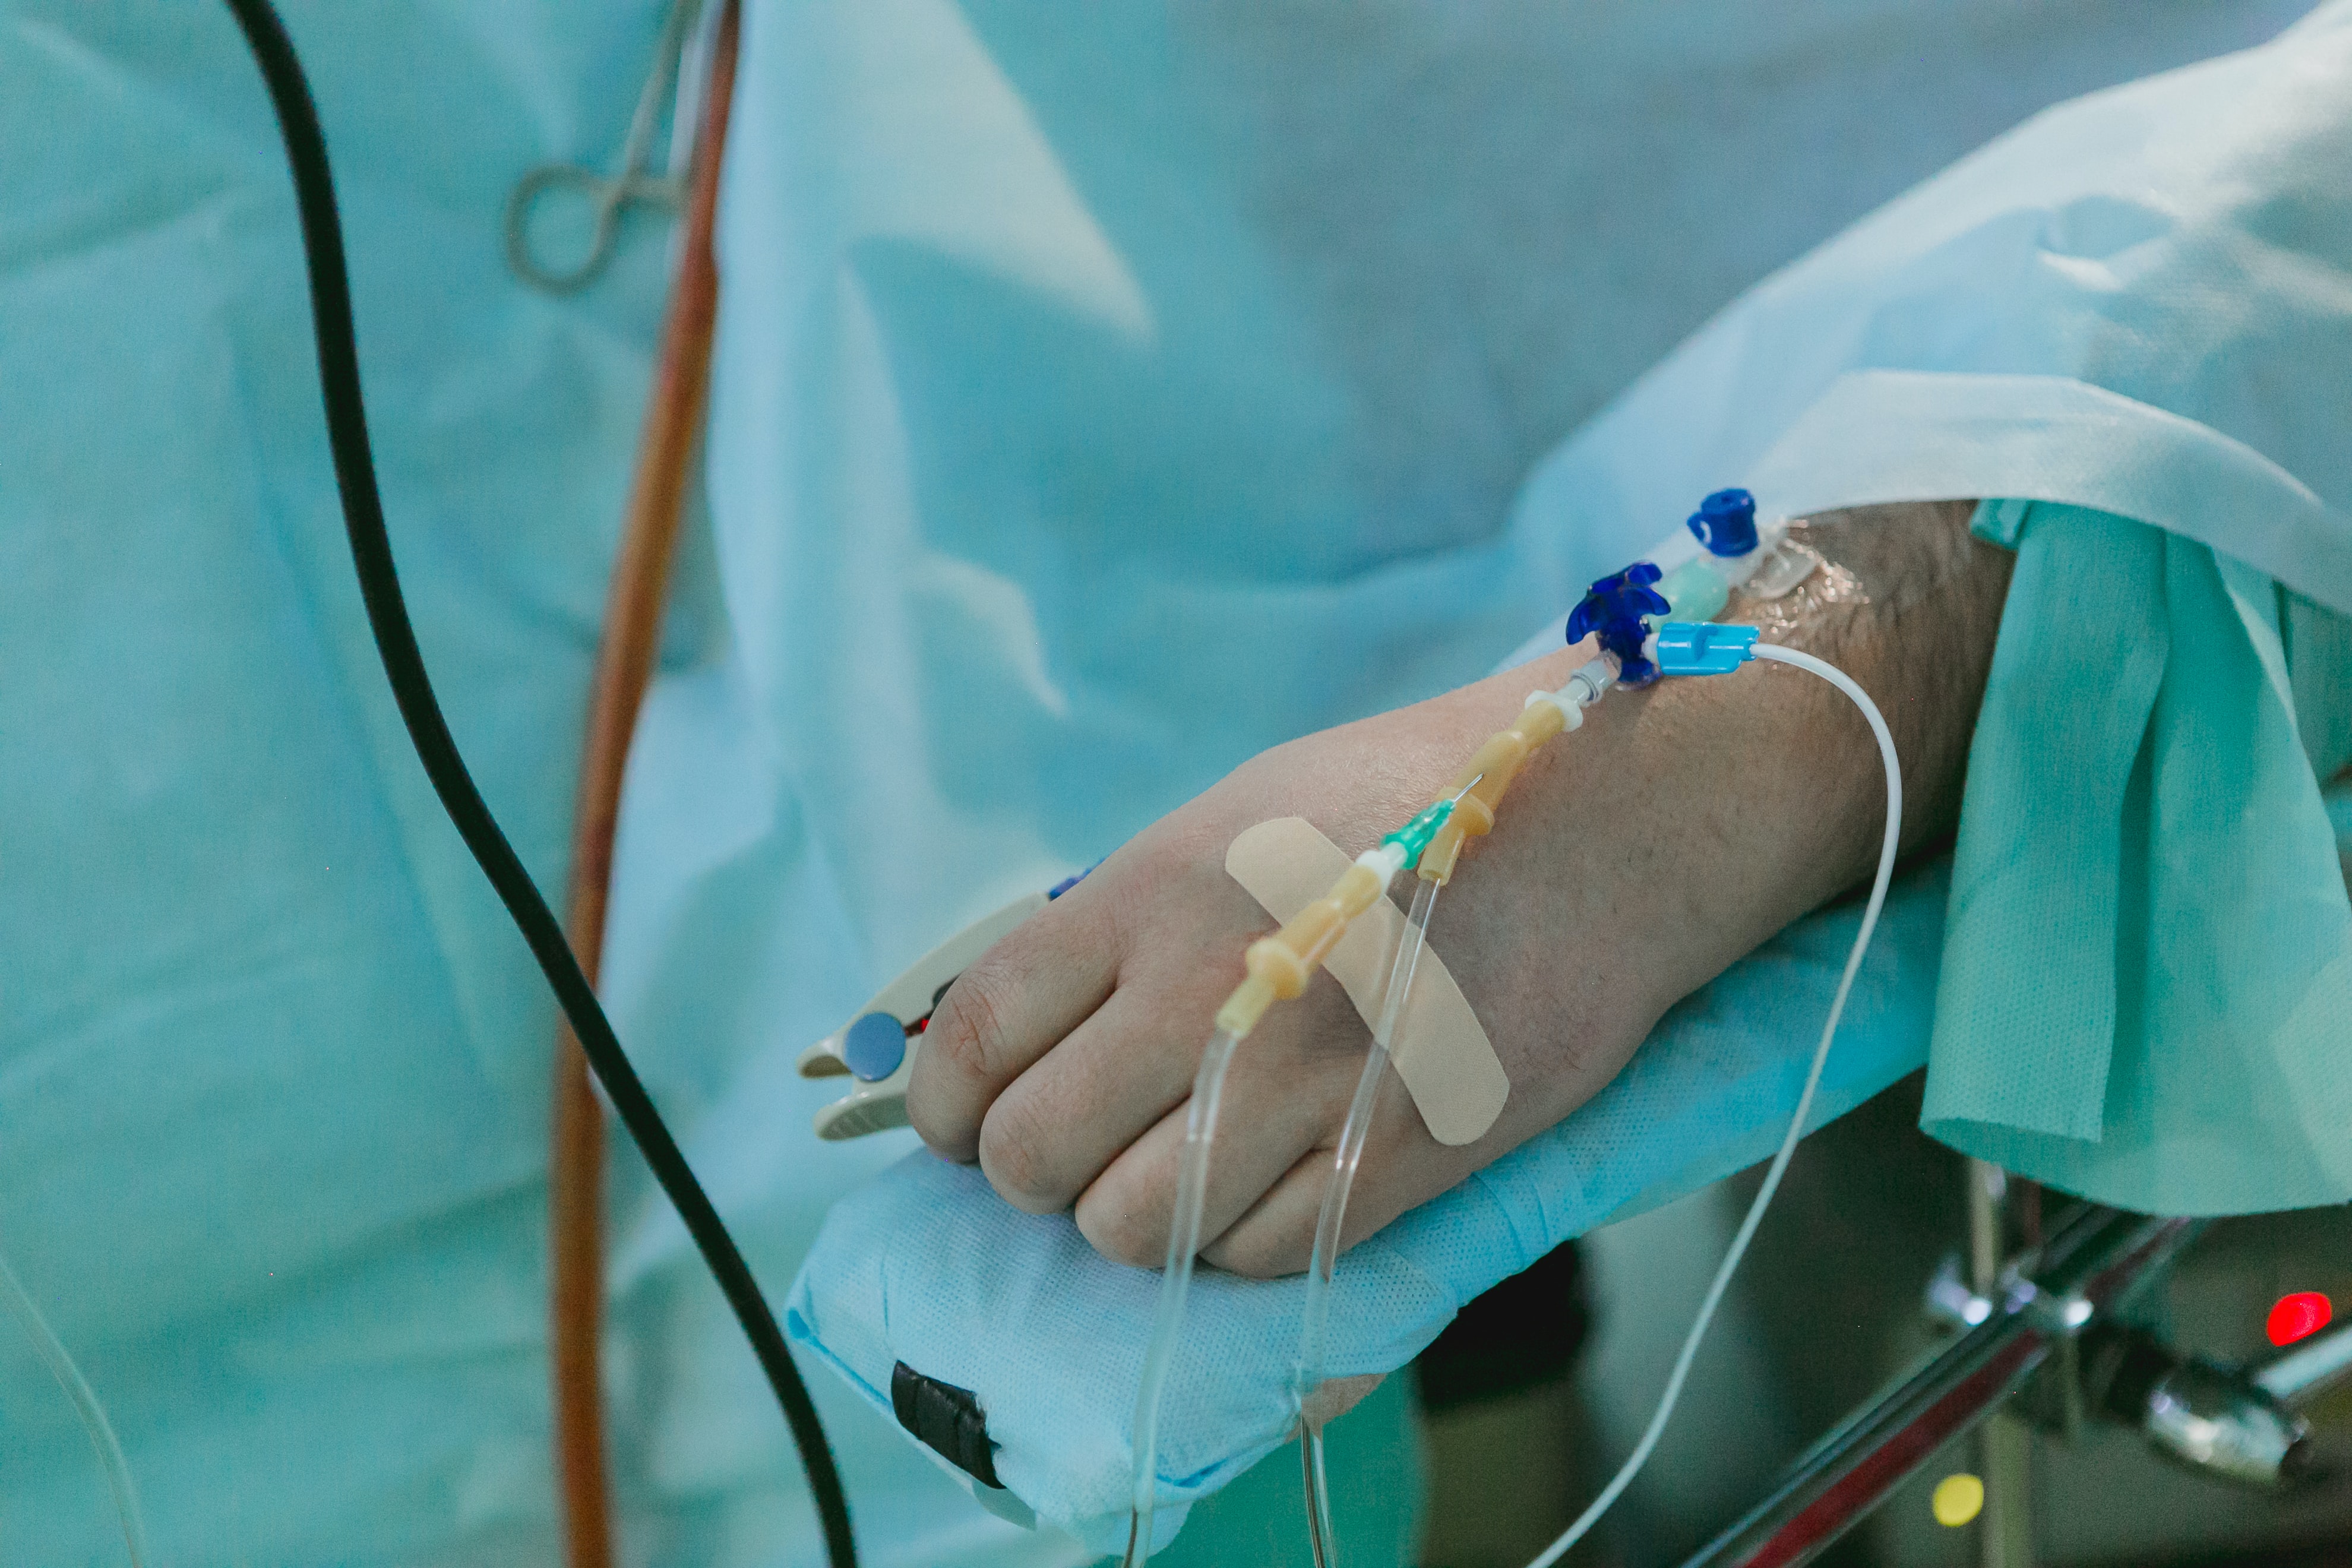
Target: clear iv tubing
(1316, 1307)
(1278, 967)
(86, 1405)
(1168, 1316)
(1714, 1297)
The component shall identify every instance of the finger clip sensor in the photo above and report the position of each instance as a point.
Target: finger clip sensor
(878, 1047)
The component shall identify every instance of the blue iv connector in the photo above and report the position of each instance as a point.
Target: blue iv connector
(1703, 648)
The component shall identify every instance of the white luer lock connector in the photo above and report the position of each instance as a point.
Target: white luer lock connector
(1571, 715)
(1581, 689)
(1736, 569)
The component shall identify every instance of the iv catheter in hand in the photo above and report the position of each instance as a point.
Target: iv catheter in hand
(1280, 966)
(1732, 552)
(1724, 549)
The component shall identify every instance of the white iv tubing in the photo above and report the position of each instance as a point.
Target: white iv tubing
(1641, 1450)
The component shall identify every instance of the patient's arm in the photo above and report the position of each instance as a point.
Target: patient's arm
(1631, 862)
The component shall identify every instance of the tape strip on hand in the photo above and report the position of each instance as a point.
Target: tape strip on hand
(1440, 1050)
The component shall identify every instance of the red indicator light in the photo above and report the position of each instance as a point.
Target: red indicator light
(2298, 1315)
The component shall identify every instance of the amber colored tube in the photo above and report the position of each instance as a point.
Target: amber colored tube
(625, 661)
(1482, 782)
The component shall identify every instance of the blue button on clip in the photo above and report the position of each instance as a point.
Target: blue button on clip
(873, 1047)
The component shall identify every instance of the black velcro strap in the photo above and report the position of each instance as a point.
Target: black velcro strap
(948, 1419)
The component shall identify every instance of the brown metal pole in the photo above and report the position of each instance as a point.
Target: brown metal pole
(625, 661)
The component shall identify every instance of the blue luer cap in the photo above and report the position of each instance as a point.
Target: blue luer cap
(1726, 522)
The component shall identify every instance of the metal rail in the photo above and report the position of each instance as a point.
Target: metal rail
(2086, 1272)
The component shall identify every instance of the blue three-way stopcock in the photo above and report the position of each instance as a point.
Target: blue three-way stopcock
(1615, 613)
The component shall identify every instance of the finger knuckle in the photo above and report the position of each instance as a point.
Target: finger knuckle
(1120, 1233)
(937, 1114)
(1015, 1157)
(966, 1034)
(1259, 1252)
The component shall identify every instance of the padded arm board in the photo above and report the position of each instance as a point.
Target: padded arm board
(927, 1266)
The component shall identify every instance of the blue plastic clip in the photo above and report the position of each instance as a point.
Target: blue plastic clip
(1726, 522)
(1703, 648)
(1615, 612)
(1067, 883)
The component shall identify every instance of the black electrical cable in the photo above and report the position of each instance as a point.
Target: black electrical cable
(404, 668)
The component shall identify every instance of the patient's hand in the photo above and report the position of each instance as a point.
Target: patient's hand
(1630, 862)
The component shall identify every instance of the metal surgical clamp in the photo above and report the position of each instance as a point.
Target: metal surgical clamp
(633, 184)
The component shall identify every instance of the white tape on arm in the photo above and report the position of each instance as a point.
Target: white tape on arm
(1440, 1050)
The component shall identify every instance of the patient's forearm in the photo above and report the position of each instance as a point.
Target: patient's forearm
(1922, 643)
(1727, 808)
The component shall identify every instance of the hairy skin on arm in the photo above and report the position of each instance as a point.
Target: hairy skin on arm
(1630, 863)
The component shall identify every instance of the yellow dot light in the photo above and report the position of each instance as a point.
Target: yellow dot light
(1958, 1500)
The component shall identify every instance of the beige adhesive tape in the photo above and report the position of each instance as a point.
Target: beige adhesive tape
(1444, 1055)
